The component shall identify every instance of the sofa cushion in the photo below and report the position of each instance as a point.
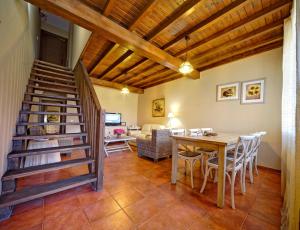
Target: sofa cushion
(146, 128)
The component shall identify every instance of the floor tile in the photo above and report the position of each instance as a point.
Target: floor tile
(162, 221)
(69, 221)
(253, 223)
(116, 221)
(101, 209)
(60, 208)
(91, 197)
(23, 221)
(125, 198)
(28, 206)
(144, 209)
(137, 194)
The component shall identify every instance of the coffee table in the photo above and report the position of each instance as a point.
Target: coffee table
(117, 147)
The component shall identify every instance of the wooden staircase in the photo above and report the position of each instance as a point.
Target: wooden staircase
(57, 86)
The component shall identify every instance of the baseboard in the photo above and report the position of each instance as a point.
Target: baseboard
(277, 171)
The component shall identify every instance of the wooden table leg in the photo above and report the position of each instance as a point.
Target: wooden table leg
(221, 176)
(174, 161)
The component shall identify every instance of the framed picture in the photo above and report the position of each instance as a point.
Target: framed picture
(253, 91)
(158, 107)
(228, 92)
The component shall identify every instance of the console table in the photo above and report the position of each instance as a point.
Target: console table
(117, 147)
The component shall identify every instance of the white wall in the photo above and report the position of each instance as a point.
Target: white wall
(80, 37)
(194, 102)
(113, 101)
(19, 29)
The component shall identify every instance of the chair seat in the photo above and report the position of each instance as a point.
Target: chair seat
(189, 154)
(215, 161)
(230, 154)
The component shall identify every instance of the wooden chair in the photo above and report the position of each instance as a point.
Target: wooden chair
(206, 153)
(189, 156)
(242, 149)
(256, 148)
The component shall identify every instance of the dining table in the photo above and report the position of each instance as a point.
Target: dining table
(222, 142)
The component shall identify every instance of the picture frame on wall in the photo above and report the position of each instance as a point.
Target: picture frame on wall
(228, 91)
(253, 92)
(158, 107)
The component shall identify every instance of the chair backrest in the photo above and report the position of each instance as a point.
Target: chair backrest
(257, 141)
(243, 149)
(194, 132)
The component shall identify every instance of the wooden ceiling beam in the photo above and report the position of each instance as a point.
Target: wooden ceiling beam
(209, 20)
(175, 15)
(151, 77)
(108, 51)
(158, 81)
(115, 85)
(264, 42)
(179, 12)
(131, 27)
(162, 81)
(106, 11)
(256, 16)
(79, 13)
(110, 4)
(243, 38)
(267, 11)
(124, 57)
(267, 45)
(242, 55)
(141, 75)
(146, 9)
(129, 69)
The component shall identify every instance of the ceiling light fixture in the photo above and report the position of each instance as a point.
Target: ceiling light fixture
(186, 67)
(125, 90)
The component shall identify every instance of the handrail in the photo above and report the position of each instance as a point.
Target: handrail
(93, 116)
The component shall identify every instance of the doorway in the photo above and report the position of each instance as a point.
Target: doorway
(53, 48)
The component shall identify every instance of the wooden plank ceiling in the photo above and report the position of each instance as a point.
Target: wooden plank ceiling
(220, 31)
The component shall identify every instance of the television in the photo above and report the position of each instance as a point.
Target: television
(112, 119)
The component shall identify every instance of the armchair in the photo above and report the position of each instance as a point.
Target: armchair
(156, 146)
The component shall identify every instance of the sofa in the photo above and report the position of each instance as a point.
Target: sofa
(146, 131)
(157, 145)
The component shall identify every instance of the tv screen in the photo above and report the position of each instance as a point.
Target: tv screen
(113, 118)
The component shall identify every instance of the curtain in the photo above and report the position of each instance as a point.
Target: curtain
(289, 127)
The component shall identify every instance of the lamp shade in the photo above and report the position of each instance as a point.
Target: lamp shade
(170, 115)
(186, 68)
(125, 90)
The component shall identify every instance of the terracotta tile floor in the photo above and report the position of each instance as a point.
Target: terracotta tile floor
(137, 194)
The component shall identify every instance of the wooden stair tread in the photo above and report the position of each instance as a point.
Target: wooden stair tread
(53, 83)
(51, 113)
(43, 190)
(23, 172)
(67, 72)
(32, 152)
(50, 73)
(52, 89)
(48, 123)
(72, 81)
(52, 96)
(51, 64)
(32, 137)
(51, 104)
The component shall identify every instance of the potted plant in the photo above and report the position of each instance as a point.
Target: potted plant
(119, 132)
